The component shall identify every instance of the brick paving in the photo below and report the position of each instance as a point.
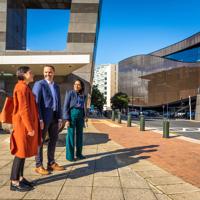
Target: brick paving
(181, 158)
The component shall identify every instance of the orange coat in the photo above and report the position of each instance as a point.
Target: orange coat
(25, 118)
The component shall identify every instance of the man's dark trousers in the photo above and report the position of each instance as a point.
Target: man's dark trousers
(52, 129)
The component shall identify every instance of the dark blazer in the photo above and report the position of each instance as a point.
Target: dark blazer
(44, 100)
(70, 102)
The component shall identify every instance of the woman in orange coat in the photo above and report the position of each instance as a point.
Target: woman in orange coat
(26, 136)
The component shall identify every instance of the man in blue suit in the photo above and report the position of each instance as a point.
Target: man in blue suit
(47, 94)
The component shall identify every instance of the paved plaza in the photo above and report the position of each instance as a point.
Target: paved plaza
(112, 171)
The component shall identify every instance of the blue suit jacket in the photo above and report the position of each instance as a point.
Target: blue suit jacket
(44, 101)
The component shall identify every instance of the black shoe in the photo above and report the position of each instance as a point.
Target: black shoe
(20, 188)
(81, 157)
(26, 182)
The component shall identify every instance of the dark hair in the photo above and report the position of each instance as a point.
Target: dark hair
(82, 85)
(51, 66)
(21, 71)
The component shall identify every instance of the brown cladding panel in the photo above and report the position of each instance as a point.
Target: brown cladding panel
(45, 4)
(81, 37)
(84, 8)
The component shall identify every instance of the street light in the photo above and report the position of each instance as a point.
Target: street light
(163, 106)
(190, 108)
(132, 97)
(167, 112)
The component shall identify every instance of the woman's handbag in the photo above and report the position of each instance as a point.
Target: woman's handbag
(6, 113)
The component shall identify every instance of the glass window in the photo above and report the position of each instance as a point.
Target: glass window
(189, 55)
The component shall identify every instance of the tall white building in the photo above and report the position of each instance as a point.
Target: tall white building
(106, 78)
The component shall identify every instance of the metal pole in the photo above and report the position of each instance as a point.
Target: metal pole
(190, 108)
(167, 111)
(163, 110)
(132, 97)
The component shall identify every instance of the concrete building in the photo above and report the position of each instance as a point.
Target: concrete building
(76, 61)
(165, 77)
(106, 78)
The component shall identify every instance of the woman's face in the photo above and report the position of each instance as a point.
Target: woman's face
(77, 86)
(29, 76)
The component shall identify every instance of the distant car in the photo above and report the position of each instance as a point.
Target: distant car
(180, 115)
(192, 115)
(169, 115)
(150, 113)
(134, 114)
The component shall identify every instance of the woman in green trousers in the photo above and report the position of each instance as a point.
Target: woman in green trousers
(74, 112)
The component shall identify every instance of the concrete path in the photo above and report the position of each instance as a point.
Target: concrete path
(110, 172)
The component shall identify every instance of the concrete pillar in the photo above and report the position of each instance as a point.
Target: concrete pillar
(3, 16)
(197, 110)
(83, 33)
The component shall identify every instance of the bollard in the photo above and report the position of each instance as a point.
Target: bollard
(165, 128)
(119, 118)
(142, 123)
(129, 120)
(113, 115)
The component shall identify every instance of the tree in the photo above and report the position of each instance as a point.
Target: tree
(119, 101)
(97, 99)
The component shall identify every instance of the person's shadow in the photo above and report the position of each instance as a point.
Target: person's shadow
(88, 139)
(107, 162)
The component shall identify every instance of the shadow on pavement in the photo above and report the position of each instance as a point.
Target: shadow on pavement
(88, 139)
(109, 161)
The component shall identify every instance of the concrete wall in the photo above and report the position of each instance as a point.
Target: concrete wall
(197, 110)
(3, 16)
(83, 33)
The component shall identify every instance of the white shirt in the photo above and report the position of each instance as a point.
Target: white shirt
(53, 92)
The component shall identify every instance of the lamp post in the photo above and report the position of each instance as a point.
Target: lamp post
(163, 107)
(132, 98)
(167, 111)
(190, 108)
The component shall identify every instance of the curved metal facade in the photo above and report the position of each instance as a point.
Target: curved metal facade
(154, 79)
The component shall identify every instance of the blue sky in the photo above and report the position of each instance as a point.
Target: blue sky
(128, 27)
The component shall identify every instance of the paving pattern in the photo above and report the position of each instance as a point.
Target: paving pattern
(110, 172)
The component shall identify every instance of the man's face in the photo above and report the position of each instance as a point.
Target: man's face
(48, 73)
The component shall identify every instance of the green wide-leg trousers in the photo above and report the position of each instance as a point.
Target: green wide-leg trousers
(75, 129)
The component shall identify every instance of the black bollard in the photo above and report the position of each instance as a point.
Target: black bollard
(119, 118)
(113, 115)
(165, 128)
(129, 120)
(142, 123)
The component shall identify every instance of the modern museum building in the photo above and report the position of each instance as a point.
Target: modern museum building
(169, 77)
